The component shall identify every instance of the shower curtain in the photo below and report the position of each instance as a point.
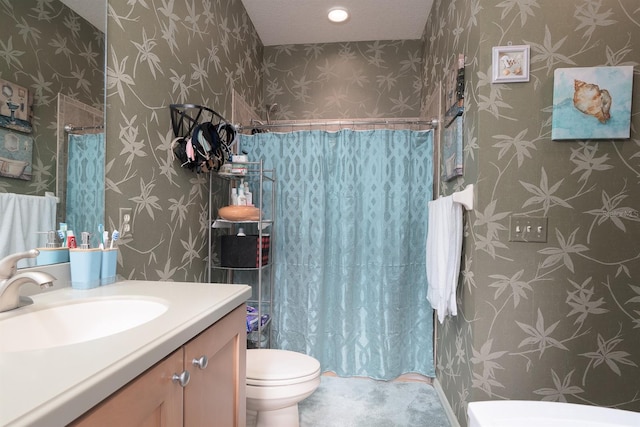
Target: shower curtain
(85, 185)
(349, 281)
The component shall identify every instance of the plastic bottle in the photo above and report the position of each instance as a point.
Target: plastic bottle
(85, 236)
(241, 232)
(242, 199)
(71, 240)
(248, 194)
(234, 196)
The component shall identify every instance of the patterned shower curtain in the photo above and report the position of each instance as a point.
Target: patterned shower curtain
(85, 185)
(349, 281)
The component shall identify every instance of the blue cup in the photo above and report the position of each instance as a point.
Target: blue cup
(85, 268)
(109, 265)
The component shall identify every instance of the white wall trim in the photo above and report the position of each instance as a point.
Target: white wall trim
(448, 410)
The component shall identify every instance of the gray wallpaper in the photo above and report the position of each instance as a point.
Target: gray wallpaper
(161, 53)
(542, 321)
(556, 320)
(344, 80)
(49, 49)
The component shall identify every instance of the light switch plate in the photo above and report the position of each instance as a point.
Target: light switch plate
(528, 229)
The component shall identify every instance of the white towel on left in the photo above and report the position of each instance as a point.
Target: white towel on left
(444, 250)
(23, 218)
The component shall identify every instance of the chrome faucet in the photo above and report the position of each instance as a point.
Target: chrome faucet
(11, 281)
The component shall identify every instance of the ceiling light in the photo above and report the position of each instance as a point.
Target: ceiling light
(338, 14)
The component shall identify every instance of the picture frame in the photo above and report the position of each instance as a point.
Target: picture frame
(592, 103)
(454, 90)
(16, 154)
(16, 103)
(510, 64)
(452, 150)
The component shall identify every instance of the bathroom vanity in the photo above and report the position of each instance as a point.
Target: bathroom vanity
(184, 366)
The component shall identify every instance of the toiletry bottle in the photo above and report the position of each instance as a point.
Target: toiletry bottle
(71, 240)
(242, 199)
(85, 236)
(248, 194)
(241, 232)
(234, 196)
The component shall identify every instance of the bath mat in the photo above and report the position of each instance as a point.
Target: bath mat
(355, 402)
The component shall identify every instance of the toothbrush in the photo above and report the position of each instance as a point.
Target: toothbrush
(62, 233)
(61, 236)
(115, 236)
(101, 234)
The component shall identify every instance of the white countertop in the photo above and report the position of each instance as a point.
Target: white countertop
(52, 387)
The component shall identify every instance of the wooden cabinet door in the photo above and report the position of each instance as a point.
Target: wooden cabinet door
(151, 400)
(215, 396)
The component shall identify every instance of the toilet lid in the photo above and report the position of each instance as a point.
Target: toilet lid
(282, 366)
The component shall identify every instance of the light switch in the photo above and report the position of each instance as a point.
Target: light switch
(528, 229)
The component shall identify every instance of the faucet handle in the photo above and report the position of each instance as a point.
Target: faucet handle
(9, 264)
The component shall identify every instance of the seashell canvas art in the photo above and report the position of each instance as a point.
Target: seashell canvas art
(592, 103)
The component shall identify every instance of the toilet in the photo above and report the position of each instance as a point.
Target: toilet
(276, 381)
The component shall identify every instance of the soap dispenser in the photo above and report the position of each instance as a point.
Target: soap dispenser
(52, 241)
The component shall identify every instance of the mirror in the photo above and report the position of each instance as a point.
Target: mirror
(49, 49)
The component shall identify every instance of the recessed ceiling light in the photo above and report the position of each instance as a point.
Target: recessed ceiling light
(338, 14)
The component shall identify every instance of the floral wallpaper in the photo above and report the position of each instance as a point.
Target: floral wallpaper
(376, 79)
(48, 49)
(162, 52)
(555, 321)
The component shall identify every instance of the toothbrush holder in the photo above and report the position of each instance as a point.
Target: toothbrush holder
(86, 266)
(109, 265)
(52, 256)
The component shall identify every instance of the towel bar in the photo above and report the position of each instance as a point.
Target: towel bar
(465, 197)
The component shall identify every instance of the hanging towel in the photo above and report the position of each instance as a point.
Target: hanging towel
(444, 250)
(22, 218)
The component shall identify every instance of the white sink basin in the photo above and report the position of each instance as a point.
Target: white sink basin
(75, 322)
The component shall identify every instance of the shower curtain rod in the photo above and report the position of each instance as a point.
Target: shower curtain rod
(433, 123)
(71, 128)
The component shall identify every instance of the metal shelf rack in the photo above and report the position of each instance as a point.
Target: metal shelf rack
(259, 278)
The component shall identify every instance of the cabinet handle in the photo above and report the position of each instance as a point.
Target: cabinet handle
(182, 378)
(201, 362)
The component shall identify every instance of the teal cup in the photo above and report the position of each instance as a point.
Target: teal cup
(108, 268)
(85, 268)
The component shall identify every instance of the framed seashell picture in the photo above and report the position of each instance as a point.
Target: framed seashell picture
(592, 103)
(510, 64)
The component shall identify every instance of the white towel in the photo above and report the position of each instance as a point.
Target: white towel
(444, 250)
(21, 218)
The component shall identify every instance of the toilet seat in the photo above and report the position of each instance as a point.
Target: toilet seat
(271, 367)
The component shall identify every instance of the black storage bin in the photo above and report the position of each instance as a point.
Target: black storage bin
(243, 251)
